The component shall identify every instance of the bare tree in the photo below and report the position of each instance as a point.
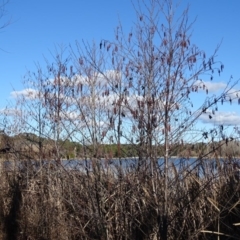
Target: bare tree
(3, 22)
(3, 14)
(160, 70)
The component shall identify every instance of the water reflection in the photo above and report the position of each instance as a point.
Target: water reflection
(126, 164)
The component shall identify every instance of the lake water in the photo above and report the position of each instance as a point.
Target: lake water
(125, 164)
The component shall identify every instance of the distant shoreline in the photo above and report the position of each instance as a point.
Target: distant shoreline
(115, 159)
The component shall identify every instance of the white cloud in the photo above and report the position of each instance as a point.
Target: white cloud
(210, 86)
(234, 94)
(10, 112)
(97, 79)
(32, 94)
(219, 118)
(93, 78)
(28, 93)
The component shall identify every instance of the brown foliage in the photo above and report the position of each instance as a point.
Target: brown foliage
(108, 202)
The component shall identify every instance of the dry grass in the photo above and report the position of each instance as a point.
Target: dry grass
(108, 203)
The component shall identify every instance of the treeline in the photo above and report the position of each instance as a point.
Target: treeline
(28, 146)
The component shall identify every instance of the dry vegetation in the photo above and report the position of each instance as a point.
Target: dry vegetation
(132, 96)
(105, 202)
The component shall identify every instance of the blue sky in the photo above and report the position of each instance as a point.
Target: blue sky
(37, 27)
